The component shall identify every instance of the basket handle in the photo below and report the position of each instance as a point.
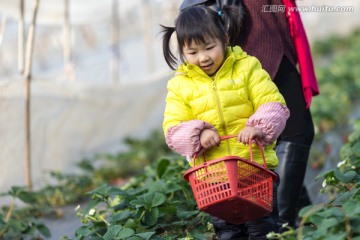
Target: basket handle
(250, 146)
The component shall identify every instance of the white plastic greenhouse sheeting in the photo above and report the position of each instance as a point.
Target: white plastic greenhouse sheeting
(69, 122)
(81, 11)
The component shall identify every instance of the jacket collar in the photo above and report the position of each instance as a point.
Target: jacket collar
(233, 55)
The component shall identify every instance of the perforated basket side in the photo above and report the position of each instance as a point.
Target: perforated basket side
(232, 183)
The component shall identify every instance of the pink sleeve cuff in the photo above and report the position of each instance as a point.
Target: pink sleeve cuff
(271, 119)
(185, 137)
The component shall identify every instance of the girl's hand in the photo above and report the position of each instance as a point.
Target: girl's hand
(250, 133)
(209, 138)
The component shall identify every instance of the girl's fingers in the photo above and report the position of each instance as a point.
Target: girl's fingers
(211, 143)
(245, 139)
(214, 142)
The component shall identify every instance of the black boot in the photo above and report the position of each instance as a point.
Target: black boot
(293, 159)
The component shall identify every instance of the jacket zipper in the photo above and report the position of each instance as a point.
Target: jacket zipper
(220, 113)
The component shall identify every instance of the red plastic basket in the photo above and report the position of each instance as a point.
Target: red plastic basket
(232, 188)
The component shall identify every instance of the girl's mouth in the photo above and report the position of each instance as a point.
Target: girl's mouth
(206, 67)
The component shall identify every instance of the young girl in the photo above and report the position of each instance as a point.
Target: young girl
(220, 90)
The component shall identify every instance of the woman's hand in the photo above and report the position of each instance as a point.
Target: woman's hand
(250, 134)
(209, 138)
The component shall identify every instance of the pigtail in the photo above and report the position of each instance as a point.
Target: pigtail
(170, 58)
(231, 17)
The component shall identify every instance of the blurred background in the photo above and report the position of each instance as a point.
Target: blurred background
(97, 75)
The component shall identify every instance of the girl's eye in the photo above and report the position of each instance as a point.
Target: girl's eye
(192, 53)
(209, 48)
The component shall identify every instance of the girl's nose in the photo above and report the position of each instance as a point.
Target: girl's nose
(204, 57)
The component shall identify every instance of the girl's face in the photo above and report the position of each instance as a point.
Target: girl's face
(209, 56)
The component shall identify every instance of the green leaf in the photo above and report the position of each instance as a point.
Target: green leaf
(135, 238)
(354, 161)
(126, 233)
(86, 165)
(120, 216)
(83, 231)
(338, 236)
(26, 197)
(169, 210)
(356, 149)
(328, 223)
(112, 191)
(146, 235)
(45, 231)
(336, 212)
(154, 199)
(99, 224)
(139, 202)
(354, 136)
(346, 151)
(187, 214)
(151, 217)
(316, 218)
(149, 200)
(159, 186)
(305, 210)
(352, 208)
(15, 191)
(101, 191)
(162, 166)
(355, 223)
(118, 232)
(92, 204)
(200, 236)
(131, 223)
(121, 206)
(173, 187)
(345, 177)
(113, 232)
(136, 191)
(345, 196)
(324, 175)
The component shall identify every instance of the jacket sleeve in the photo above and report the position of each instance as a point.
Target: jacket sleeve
(270, 111)
(271, 119)
(181, 129)
(185, 137)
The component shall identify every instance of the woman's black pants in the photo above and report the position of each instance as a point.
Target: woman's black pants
(293, 145)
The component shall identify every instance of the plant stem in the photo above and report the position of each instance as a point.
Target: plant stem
(306, 216)
(11, 208)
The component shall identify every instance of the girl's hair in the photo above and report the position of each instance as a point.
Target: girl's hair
(198, 22)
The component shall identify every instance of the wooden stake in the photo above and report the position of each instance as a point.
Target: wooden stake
(28, 64)
(148, 35)
(115, 53)
(21, 38)
(68, 64)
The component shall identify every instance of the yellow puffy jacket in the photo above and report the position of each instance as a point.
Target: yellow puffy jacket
(238, 89)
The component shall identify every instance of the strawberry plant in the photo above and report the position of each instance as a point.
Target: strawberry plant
(22, 223)
(339, 82)
(340, 218)
(157, 204)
